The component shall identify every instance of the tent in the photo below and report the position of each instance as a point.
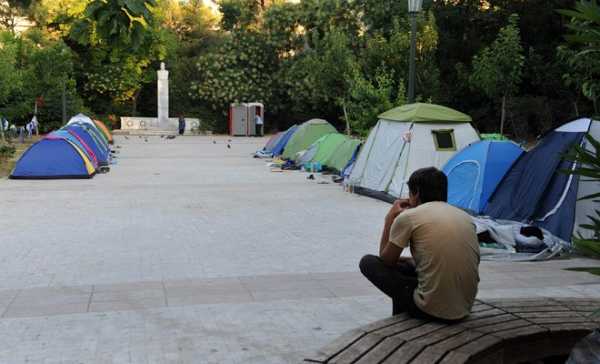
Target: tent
(94, 132)
(99, 149)
(305, 135)
(282, 142)
(475, 171)
(405, 139)
(321, 149)
(267, 150)
(342, 155)
(79, 142)
(104, 129)
(536, 191)
(83, 119)
(53, 157)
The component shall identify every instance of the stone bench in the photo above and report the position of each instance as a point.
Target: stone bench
(497, 331)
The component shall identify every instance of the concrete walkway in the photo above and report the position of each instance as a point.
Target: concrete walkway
(192, 252)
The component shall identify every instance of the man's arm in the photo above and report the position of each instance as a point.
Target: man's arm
(388, 251)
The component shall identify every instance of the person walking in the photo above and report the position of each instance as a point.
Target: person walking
(440, 281)
(181, 124)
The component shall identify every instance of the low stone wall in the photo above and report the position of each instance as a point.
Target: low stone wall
(143, 123)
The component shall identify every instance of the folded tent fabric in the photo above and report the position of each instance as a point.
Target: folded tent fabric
(53, 157)
(305, 135)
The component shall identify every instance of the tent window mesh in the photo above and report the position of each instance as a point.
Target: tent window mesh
(444, 139)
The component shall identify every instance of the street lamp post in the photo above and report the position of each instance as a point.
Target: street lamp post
(414, 6)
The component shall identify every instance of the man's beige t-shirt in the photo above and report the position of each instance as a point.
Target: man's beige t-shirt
(444, 245)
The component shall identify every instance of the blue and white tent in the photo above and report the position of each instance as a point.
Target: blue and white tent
(475, 171)
(535, 191)
(283, 140)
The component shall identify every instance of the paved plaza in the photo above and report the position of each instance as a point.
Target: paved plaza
(192, 252)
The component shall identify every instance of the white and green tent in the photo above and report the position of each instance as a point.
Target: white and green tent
(405, 139)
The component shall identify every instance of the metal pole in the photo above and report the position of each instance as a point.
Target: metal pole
(413, 55)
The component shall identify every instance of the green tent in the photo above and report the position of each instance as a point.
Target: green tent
(429, 113)
(342, 155)
(306, 134)
(493, 136)
(328, 145)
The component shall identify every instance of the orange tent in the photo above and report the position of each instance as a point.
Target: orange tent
(104, 130)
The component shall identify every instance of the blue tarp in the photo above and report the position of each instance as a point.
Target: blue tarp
(536, 192)
(474, 172)
(51, 158)
(278, 149)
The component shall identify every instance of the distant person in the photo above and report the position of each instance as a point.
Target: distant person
(181, 124)
(440, 281)
(258, 121)
(35, 125)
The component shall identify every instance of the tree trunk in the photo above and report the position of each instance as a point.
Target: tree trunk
(576, 108)
(503, 115)
(347, 121)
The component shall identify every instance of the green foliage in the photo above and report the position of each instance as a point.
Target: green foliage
(584, 56)
(588, 168)
(238, 14)
(121, 24)
(497, 70)
(368, 99)
(240, 70)
(6, 152)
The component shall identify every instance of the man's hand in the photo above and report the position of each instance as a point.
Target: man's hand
(397, 208)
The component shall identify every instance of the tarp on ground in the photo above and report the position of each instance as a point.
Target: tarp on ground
(305, 135)
(536, 191)
(52, 158)
(475, 171)
(282, 142)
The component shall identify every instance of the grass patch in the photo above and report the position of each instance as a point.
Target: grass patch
(7, 165)
(592, 270)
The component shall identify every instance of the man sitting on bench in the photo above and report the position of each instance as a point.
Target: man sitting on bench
(441, 281)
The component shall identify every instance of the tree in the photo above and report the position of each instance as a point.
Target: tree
(584, 59)
(497, 70)
(10, 11)
(117, 40)
(10, 79)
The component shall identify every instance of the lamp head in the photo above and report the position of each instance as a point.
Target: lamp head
(414, 6)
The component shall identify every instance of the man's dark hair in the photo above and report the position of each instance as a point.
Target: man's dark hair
(430, 183)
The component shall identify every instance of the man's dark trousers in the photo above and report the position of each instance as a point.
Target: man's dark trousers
(398, 282)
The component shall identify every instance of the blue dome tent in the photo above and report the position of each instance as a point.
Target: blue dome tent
(53, 157)
(536, 191)
(475, 171)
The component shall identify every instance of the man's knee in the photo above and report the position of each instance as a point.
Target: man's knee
(367, 263)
